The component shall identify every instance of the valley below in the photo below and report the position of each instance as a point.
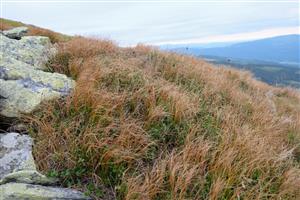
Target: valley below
(274, 73)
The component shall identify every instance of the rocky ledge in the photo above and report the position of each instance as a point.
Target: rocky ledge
(24, 85)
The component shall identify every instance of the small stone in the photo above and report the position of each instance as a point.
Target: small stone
(28, 176)
(16, 33)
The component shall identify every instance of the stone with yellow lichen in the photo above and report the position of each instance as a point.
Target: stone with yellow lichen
(23, 191)
(15, 153)
(27, 176)
(32, 50)
(23, 86)
(16, 33)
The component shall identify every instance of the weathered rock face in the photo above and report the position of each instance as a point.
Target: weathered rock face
(28, 176)
(16, 33)
(22, 191)
(22, 85)
(32, 50)
(18, 176)
(15, 153)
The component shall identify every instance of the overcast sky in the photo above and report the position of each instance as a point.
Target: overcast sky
(134, 22)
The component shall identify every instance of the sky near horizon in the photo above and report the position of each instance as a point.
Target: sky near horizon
(161, 22)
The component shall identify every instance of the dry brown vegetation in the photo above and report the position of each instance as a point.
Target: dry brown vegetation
(146, 124)
(54, 37)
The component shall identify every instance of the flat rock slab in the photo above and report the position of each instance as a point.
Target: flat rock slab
(15, 153)
(22, 191)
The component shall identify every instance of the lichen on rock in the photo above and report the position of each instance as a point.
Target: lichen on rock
(23, 191)
(23, 85)
(32, 50)
(15, 153)
(16, 33)
(18, 176)
(28, 176)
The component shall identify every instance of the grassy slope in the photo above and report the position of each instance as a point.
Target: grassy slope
(33, 30)
(144, 124)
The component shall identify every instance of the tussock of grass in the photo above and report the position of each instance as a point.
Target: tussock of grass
(143, 124)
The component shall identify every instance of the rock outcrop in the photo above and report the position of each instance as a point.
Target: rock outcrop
(16, 33)
(15, 153)
(32, 50)
(23, 86)
(19, 178)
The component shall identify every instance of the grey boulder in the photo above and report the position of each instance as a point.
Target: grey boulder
(32, 50)
(15, 153)
(23, 86)
(16, 33)
(18, 176)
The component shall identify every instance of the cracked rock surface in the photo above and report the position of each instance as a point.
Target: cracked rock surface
(18, 176)
(15, 153)
(32, 50)
(23, 84)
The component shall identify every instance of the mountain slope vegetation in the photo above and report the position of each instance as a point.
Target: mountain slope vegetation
(146, 124)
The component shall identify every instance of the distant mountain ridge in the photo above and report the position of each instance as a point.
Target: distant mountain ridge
(279, 49)
(139, 123)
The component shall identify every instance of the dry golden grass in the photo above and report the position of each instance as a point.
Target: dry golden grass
(143, 124)
(54, 37)
(6, 24)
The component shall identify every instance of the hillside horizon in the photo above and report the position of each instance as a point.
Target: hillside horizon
(286, 46)
(141, 123)
(273, 60)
